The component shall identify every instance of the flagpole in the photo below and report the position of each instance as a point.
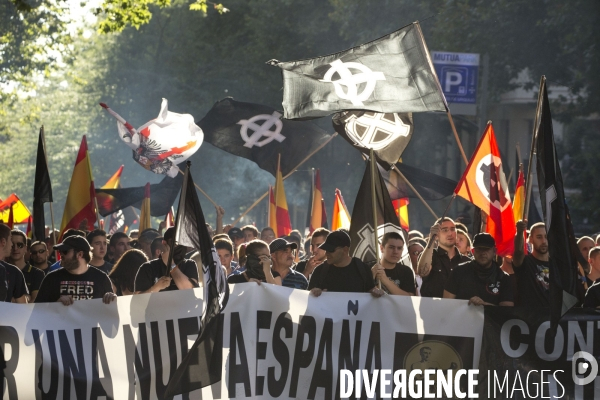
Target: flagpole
(374, 208)
(201, 191)
(182, 197)
(532, 150)
(462, 151)
(48, 168)
(290, 173)
(417, 193)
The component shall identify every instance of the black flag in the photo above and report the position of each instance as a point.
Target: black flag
(387, 134)
(162, 197)
(393, 74)
(562, 245)
(202, 365)
(42, 190)
(361, 225)
(430, 186)
(258, 133)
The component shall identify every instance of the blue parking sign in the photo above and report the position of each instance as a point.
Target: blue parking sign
(457, 73)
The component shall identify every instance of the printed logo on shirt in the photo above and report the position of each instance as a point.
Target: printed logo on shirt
(493, 288)
(79, 290)
(542, 276)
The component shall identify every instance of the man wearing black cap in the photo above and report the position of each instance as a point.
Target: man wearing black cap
(76, 280)
(282, 257)
(341, 273)
(237, 237)
(153, 277)
(480, 281)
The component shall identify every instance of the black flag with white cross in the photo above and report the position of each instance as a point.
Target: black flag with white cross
(258, 133)
(387, 134)
(393, 74)
(361, 226)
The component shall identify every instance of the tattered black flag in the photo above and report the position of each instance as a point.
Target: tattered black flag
(387, 134)
(361, 225)
(562, 245)
(258, 133)
(430, 186)
(393, 74)
(162, 197)
(202, 365)
(42, 190)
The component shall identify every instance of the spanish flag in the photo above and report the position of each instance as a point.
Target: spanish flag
(13, 205)
(145, 210)
(284, 225)
(29, 232)
(318, 217)
(80, 199)
(341, 217)
(401, 208)
(519, 199)
(483, 183)
(272, 211)
(11, 218)
(114, 182)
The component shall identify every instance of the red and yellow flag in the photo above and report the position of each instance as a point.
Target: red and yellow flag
(340, 217)
(114, 182)
(81, 195)
(145, 221)
(283, 224)
(272, 211)
(20, 211)
(29, 232)
(11, 218)
(519, 199)
(401, 208)
(483, 183)
(318, 210)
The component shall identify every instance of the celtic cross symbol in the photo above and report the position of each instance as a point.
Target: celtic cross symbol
(352, 81)
(271, 121)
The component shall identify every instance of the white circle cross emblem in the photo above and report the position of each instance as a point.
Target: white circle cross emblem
(352, 81)
(271, 121)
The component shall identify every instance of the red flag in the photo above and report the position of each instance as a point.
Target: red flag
(284, 225)
(272, 211)
(483, 183)
(401, 208)
(317, 212)
(169, 220)
(29, 232)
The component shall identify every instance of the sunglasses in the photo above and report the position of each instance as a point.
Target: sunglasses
(38, 251)
(64, 252)
(18, 245)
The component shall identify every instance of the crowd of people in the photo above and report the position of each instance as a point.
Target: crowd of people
(447, 262)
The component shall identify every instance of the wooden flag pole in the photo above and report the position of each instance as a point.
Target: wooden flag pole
(51, 208)
(182, 196)
(418, 194)
(373, 163)
(200, 189)
(528, 183)
(460, 147)
(284, 178)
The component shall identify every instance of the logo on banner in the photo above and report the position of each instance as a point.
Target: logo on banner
(433, 354)
(366, 238)
(352, 82)
(376, 130)
(492, 182)
(264, 133)
(584, 363)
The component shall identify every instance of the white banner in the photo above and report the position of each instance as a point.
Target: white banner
(278, 342)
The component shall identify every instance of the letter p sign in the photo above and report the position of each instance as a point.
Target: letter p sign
(453, 78)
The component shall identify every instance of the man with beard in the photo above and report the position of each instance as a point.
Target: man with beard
(436, 264)
(395, 278)
(76, 280)
(317, 255)
(33, 276)
(533, 284)
(480, 281)
(39, 256)
(16, 289)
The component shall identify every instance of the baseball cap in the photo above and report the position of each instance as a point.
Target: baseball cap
(73, 242)
(235, 233)
(334, 240)
(484, 240)
(281, 244)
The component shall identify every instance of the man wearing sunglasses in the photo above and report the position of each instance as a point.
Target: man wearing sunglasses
(16, 289)
(76, 280)
(33, 276)
(39, 256)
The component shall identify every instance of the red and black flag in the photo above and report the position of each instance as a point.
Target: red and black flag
(257, 133)
(562, 245)
(202, 366)
(42, 190)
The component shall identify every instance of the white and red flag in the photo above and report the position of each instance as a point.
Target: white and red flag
(483, 183)
(162, 143)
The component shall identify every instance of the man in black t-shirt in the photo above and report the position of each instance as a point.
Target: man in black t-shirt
(480, 281)
(16, 289)
(99, 243)
(33, 276)
(436, 264)
(395, 278)
(317, 255)
(154, 276)
(76, 280)
(532, 271)
(341, 273)
(3, 287)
